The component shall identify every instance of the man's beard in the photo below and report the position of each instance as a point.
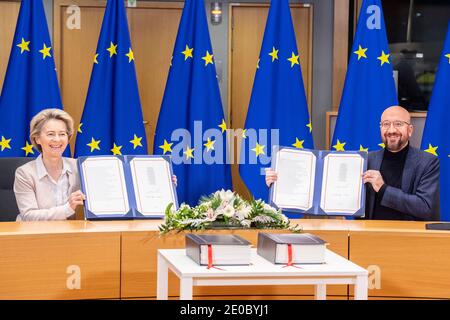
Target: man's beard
(394, 146)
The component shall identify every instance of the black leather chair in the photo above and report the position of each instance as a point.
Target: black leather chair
(8, 205)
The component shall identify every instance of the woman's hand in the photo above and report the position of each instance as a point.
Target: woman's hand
(174, 180)
(271, 176)
(76, 199)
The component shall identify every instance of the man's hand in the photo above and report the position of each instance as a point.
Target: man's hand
(271, 176)
(374, 178)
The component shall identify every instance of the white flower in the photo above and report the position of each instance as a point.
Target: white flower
(226, 195)
(239, 215)
(229, 195)
(269, 208)
(263, 219)
(246, 223)
(220, 193)
(219, 211)
(194, 222)
(228, 211)
(184, 206)
(246, 211)
(243, 212)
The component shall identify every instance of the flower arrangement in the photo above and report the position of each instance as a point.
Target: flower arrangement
(224, 209)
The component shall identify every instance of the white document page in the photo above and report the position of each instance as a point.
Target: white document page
(294, 187)
(341, 183)
(152, 183)
(106, 190)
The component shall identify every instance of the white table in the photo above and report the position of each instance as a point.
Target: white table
(336, 270)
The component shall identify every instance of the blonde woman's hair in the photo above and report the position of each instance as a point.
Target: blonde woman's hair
(40, 119)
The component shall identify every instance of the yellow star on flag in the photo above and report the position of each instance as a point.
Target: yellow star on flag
(361, 148)
(208, 58)
(448, 56)
(24, 46)
(298, 143)
(188, 152)
(95, 58)
(294, 59)
(361, 52)
(309, 125)
(187, 53)
(130, 55)
(339, 146)
(28, 149)
(209, 145)
(79, 128)
(45, 52)
(112, 49)
(384, 58)
(274, 54)
(223, 126)
(258, 149)
(136, 142)
(167, 147)
(382, 145)
(116, 150)
(432, 149)
(244, 133)
(94, 144)
(5, 143)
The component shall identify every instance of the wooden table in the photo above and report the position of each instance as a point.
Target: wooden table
(118, 259)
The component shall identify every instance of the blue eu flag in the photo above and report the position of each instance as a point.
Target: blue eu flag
(369, 84)
(435, 139)
(191, 125)
(278, 112)
(30, 83)
(112, 117)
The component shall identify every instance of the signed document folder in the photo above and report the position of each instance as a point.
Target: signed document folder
(208, 249)
(319, 182)
(291, 248)
(126, 187)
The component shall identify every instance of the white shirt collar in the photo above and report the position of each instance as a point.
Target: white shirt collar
(42, 171)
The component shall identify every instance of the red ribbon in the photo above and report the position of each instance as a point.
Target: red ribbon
(210, 259)
(290, 263)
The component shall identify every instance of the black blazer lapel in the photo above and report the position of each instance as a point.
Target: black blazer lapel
(409, 169)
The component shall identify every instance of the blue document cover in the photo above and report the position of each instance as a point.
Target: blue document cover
(129, 188)
(324, 178)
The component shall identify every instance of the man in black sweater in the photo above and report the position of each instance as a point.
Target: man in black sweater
(402, 181)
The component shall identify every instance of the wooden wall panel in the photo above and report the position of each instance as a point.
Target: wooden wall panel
(340, 49)
(405, 261)
(34, 257)
(9, 11)
(36, 266)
